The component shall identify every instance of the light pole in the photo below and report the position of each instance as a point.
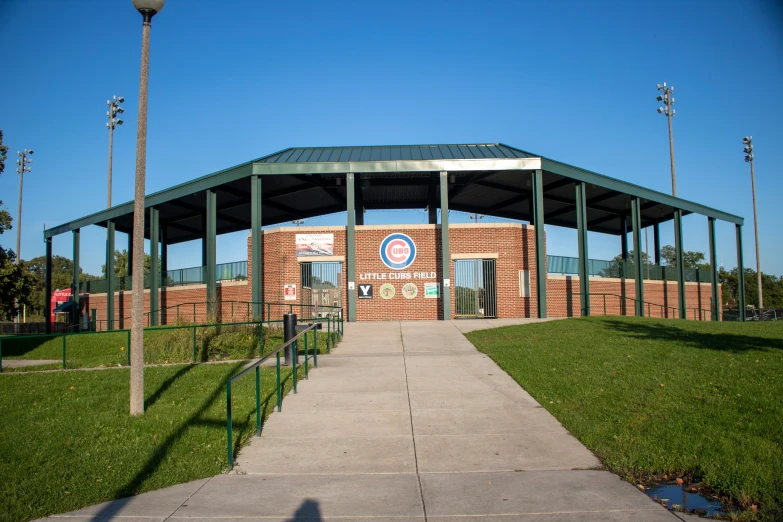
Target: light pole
(114, 110)
(748, 141)
(475, 217)
(21, 167)
(669, 111)
(148, 9)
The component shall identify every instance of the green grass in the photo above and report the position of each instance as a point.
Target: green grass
(161, 346)
(661, 396)
(67, 440)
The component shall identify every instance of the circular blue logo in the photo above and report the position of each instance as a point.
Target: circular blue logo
(397, 251)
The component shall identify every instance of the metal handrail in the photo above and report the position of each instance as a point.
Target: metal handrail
(257, 367)
(649, 305)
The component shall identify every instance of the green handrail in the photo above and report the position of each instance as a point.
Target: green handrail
(257, 367)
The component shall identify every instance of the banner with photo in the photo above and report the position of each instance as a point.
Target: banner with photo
(314, 245)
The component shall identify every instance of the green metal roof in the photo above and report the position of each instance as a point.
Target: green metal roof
(304, 182)
(395, 153)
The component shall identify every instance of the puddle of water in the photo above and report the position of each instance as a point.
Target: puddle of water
(673, 495)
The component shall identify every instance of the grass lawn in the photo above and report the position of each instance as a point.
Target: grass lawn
(165, 345)
(67, 440)
(655, 396)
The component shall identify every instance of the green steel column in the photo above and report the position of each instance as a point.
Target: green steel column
(680, 262)
(48, 286)
(538, 230)
(210, 269)
(350, 256)
(164, 253)
(75, 311)
(584, 267)
(740, 276)
(657, 244)
(110, 275)
(445, 248)
(636, 218)
(432, 203)
(713, 270)
(154, 272)
(256, 247)
(359, 200)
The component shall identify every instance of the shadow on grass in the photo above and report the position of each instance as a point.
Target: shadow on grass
(123, 495)
(167, 384)
(734, 343)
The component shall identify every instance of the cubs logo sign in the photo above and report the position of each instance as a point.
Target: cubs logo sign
(398, 251)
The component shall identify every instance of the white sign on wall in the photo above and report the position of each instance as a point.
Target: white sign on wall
(289, 292)
(314, 245)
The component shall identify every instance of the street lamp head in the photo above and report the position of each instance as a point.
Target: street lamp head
(120, 100)
(746, 140)
(30, 152)
(660, 110)
(119, 122)
(119, 110)
(149, 5)
(659, 86)
(659, 98)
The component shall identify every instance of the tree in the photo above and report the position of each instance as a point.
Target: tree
(691, 259)
(121, 264)
(15, 282)
(771, 285)
(62, 276)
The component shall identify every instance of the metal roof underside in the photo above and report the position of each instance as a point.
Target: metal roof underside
(490, 179)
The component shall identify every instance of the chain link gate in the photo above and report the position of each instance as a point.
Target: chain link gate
(320, 283)
(475, 288)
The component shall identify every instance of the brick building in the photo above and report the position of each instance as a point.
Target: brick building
(397, 272)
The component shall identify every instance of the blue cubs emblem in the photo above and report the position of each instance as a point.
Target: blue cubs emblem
(398, 251)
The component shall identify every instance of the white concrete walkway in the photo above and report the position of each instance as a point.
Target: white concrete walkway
(404, 422)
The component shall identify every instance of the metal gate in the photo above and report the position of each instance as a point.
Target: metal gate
(475, 288)
(320, 283)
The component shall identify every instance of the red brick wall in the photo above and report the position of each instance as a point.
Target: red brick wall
(512, 244)
(663, 294)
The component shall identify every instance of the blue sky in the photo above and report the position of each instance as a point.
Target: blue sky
(235, 80)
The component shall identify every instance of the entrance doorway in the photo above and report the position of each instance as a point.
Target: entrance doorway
(320, 283)
(475, 288)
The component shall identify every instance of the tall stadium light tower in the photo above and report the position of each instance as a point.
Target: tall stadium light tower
(114, 110)
(22, 166)
(148, 9)
(748, 141)
(669, 111)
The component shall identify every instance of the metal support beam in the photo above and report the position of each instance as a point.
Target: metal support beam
(154, 259)
(110, 275)
(657, 243)
(164, 251)
(204, 232)
(740, 276)
(75, 319)
(210, 268)
(680, 263)
(636, 219)
(445, 252)
(256, 247)
(350, 254)
(359, 201)
(48, 285)
(538, 230)
(714, 306)
(624, 237)
(432, 200)
(584, 266)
